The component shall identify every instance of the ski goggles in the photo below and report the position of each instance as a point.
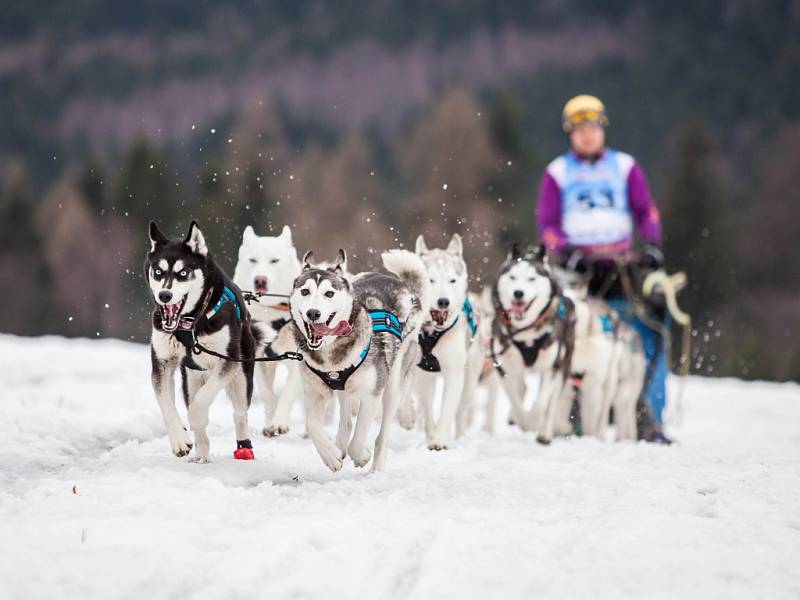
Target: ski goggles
(585, 116)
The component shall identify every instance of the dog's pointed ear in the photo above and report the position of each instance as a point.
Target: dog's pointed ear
(515, 253)
(156, 237)
(421, 247)
(455, 246)
(340, 266)
(286, 235)
(540, 253)
(249, 234)
(195, 240)
(307, 258)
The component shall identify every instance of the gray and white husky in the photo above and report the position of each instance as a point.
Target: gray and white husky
(269, 265)
(196, 300)
(627, 366)
(450, 346)
(567, 341)
(358, 337)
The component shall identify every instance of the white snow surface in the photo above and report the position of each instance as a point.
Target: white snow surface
(93, 505)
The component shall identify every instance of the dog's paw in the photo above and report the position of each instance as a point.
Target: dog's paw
(199, 460)
(182, 450)
(274, 430)
(379, 462)
(437, 445)
(244, 454)
(332, 458)
(360, 457)
(543, 440)
(406, 421)
(180, 443)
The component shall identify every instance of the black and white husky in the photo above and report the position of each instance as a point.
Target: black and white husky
(573, 345)
(450, 347)
(358, 337)
(195, 299)
(268, 265)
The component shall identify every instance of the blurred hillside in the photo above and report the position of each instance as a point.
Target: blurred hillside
(364, 124)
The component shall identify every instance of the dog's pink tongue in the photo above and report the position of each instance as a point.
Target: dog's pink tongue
(343, 328)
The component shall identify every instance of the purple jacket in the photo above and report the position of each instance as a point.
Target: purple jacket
(640, 205)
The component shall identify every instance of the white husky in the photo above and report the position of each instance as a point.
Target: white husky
(269, 265)
(450, 344)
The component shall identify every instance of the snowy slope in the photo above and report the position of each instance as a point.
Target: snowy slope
(716, 516)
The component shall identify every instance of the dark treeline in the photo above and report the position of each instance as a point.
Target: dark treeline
(706, 101)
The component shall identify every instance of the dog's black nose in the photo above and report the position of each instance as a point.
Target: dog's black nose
(313, 314)
(165, 296)
(518, 294)
(260, 282)
(443, 303)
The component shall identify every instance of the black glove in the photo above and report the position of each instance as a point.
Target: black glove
(576, 261)
(652, 258)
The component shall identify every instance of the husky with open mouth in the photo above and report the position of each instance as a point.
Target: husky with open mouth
(268, 265)
(571, 343)
(450, 347)
(196, 300)
(359, 337)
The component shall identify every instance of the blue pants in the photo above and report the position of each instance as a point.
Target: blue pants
(656, 393)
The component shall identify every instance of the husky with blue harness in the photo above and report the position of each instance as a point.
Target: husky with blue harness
(450, 346)
(359, 338)
(577, 348)
(201, 328)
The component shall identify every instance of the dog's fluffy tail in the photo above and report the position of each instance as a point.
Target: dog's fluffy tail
(411, 270)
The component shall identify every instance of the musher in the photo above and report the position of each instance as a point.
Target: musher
(590, 200)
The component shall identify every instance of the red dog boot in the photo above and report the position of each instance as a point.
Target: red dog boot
(244, 450)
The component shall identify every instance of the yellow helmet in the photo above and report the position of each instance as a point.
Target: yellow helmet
(583, 109)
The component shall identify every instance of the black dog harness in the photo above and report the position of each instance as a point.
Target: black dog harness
(185, 334)
(528, 349)
(382, 322)
(428, 341)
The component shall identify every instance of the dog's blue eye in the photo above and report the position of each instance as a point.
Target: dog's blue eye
(183, 273)
(156, 271)
(274, 261)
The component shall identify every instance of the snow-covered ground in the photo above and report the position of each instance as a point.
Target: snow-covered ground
(93, 505)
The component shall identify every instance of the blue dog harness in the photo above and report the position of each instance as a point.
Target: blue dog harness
(382, 322)
(227, 296)
(185, 334)
(428, 341)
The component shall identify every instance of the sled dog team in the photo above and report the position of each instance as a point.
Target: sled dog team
(377, 341)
